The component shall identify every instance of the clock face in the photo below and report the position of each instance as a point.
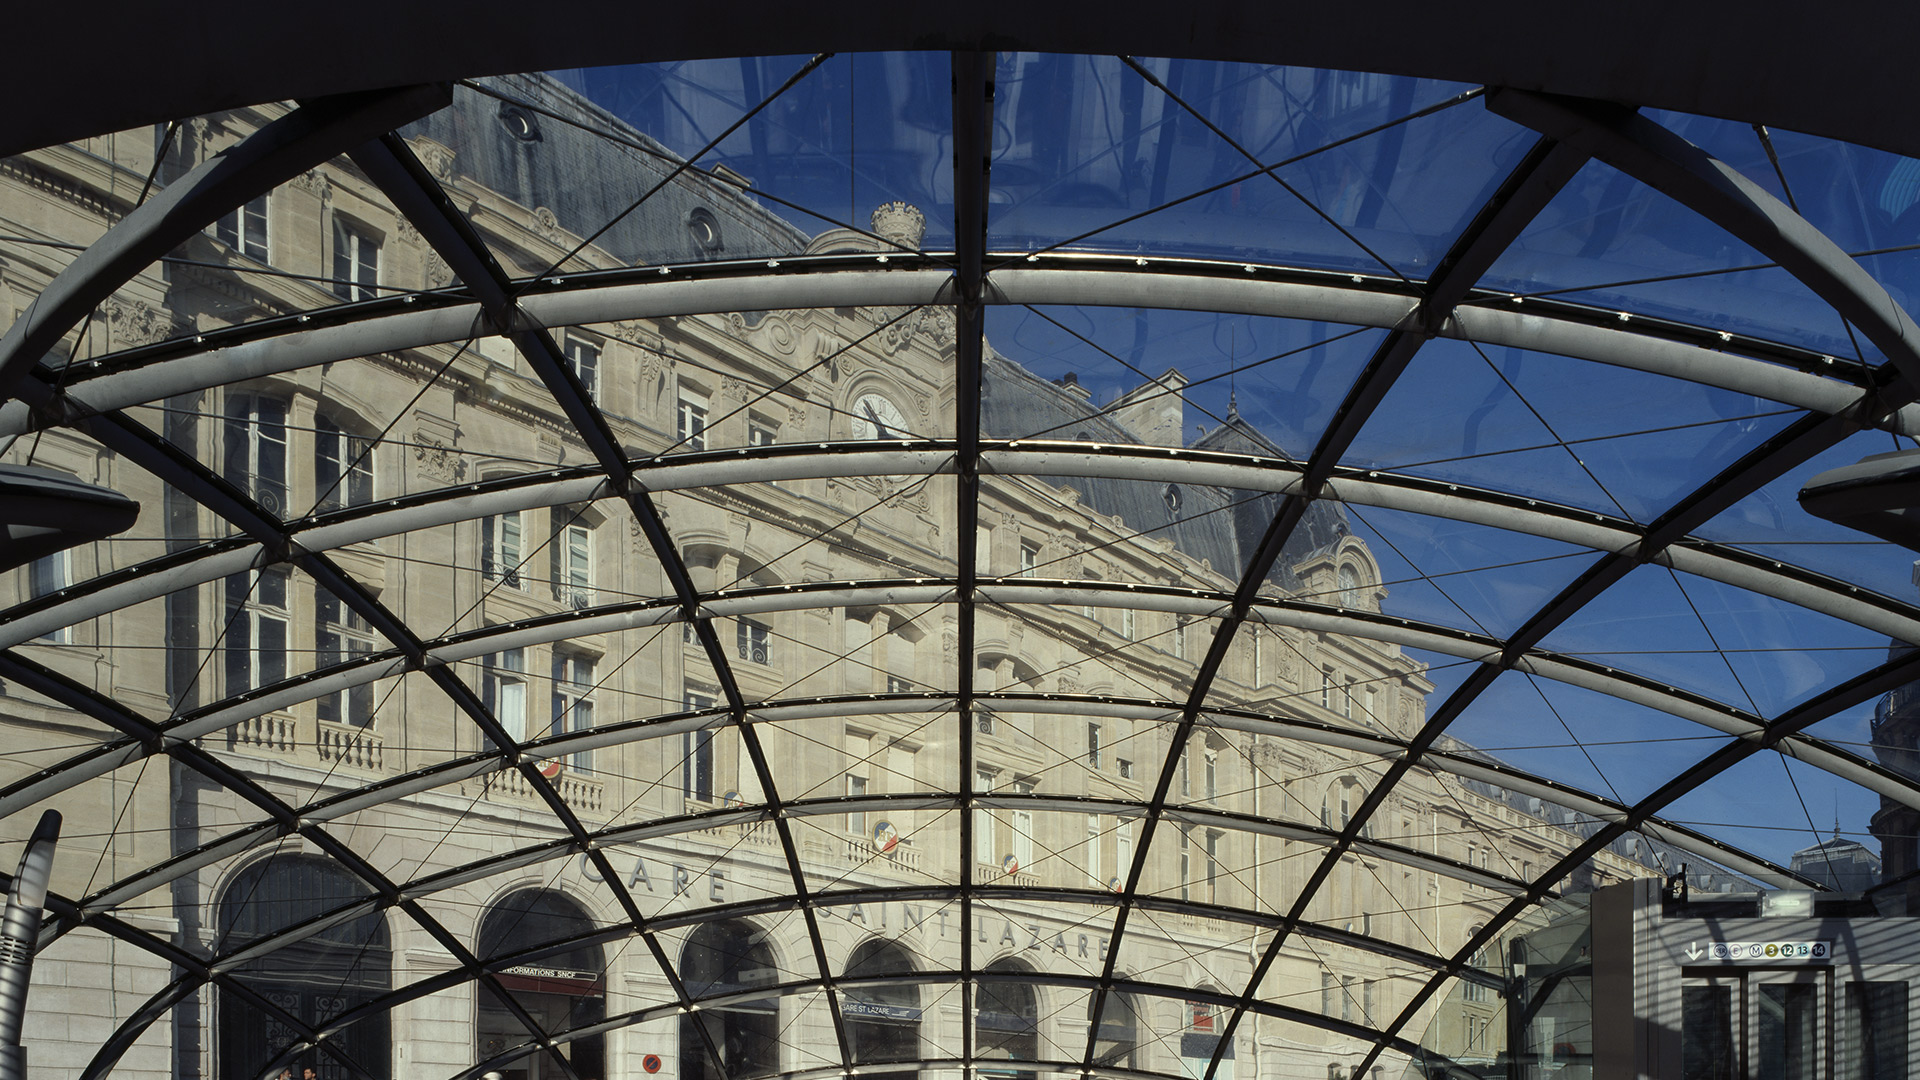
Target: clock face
(874, 417)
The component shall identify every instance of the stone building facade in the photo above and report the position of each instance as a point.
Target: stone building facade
(542, 595)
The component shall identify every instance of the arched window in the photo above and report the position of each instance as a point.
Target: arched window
(883, 1022)
(1117, 1036)
(726, 958)
(1006, 1022)
(1349, 586)
(314, 979)
(561, 990)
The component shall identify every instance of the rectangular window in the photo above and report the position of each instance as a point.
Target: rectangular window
(1128, 623)
(1023, 827)
(1370, 704)
(256, 632)
(754, 641)
(1346, 698)
(1213, 866)
(356, 261)
(1123, 850)
(342, 636)
(583, 358)
(1029, 557)
(1326, 688)
(1092, 853)
(1213, 778)
(573, 701)
(1366, 1001)
(48, 575)
(696, 754)
(898, 685)
(500, 548)
(1876, 1031)
(1346, 997)
(1093, 745)
(342, 467)
(856, 818)
(506, 691)
(245, 229)
(1186, 865)
(1186, 776)
(761, 431)
(254, 450)
(1259, 659)
(984, 848)
(690, 426)
(1326, 993)
(573, 565)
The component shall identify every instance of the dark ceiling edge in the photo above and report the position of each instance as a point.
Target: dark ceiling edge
(1830, 71)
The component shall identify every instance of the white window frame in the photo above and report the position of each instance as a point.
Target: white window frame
(356, 260)
(696, 753)
(340, 636)
(502, 536)
(254, 446)
(1093, 853)
(856, 817)
(1129, 623)
(573, 684)
(1029, 558)
(691, 413)
(761, 431)
(1212, 777)
(1023, 827)
(573, 564)
(259, 628)
(583, 358)
(1093, 744)
(342, 466)
(983, 839)
(753, 641)
(47, 575)
(245, 229)
(506, 683)
(1123, 848)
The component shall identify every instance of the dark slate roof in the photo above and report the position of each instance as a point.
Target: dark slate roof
(1219, 525)
(586, 178)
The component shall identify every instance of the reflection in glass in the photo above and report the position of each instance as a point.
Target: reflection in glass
(1787, 1042)
(1006, 1023)
(559, 990)
(1706, 1033)
(1876, 1031)
(720, 959)
(883, 1022)
(312, 980)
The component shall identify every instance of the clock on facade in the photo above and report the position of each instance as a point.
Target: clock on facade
(874, 417)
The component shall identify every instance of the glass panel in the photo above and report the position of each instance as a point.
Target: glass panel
(860, 130)
(1613, 242)
(1787, 1036)
(1088, 153)
(1169, 378)
(1707, 1033)
(1876, 1031)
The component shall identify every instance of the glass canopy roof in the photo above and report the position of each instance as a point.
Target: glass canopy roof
(959, 564)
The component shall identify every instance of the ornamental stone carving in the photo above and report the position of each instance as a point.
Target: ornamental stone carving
(439, 274)
(900, 223)
(547, 224)
(437, 157)
(438, 460)
(315, 183)
(138, 323)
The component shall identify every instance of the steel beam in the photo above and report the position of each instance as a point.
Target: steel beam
(281, 150)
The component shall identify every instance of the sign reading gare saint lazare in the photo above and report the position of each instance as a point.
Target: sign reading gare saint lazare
(678, 880)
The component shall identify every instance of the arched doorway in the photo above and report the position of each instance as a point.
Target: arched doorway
(560, 990)
(1006, 1022)
(316, 979)
(883, 1022)
(724, 958)
(1117, 1036)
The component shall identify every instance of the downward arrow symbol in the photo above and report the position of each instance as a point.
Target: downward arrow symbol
(1693, 951)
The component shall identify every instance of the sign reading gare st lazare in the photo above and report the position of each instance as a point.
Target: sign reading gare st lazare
(679, 880)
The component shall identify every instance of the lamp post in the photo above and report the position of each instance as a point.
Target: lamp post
(18, 934)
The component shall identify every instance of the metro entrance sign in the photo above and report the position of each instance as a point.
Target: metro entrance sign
(1761, 951)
